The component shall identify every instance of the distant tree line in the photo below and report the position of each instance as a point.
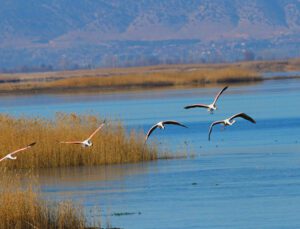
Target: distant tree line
(128, 61)
(44, 68)
(27, 69)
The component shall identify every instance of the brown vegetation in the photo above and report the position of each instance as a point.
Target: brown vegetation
(200, 77)
(124, 79)
(192, 75)
(110, 145)
(23, 208)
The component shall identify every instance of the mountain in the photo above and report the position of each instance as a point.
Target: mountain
(78, 33)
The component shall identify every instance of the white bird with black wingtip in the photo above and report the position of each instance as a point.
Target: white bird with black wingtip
(161, 125)
(87, 142)
(210, 107)
(230, 121)
(10, 155)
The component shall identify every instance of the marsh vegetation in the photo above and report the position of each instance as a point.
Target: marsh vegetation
(126, 79)
(112, 145)
(22, 207)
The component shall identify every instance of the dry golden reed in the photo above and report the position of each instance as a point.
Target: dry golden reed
(111, 145)
(180, 78)
(116, 80)
(23, 208)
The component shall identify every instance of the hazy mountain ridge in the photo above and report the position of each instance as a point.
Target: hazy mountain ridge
(53, 26)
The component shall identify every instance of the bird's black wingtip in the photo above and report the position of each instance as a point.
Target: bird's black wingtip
(209, 138)
(32, 144)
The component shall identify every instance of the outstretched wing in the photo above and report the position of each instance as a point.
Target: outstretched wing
(24, 148)
(244, 116)
(211, 127)
(99, 128)
(3, 158)
(150, 131)
(219, 94)
(71, 142)
(16, 151)
(196, 105)
(174, 123)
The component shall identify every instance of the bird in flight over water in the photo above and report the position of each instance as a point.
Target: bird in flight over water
(87, 142)
(11, 155)
(230, 121)
(161, 125)
(210, 107)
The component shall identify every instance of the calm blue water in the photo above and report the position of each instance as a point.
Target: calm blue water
(248, 176)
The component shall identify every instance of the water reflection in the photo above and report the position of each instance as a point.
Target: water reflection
(80, 175)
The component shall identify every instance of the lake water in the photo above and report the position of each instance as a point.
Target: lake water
(248, 176)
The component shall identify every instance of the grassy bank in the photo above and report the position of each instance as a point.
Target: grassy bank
(111, 145)
(125, 79)
(115, 79)
(156, 79)
(23, 208)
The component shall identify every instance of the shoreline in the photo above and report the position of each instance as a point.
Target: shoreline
(137, 81)
(160, 77)
(125, 89)
(102, 90)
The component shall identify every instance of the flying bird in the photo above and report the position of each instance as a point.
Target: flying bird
(10, 155)
(230, 121)
(87, 142)
(161, 125)
(210, 107)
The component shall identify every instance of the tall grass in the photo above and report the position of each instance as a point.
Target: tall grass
(23, 208)
(111, 145)
(139, 79)
(199, 77)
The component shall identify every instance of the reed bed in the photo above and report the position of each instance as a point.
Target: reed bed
(111, 145)
(140, 79)
(23, 208)
(181, 78)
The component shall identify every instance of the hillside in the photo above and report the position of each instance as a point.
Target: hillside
(88, 33)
